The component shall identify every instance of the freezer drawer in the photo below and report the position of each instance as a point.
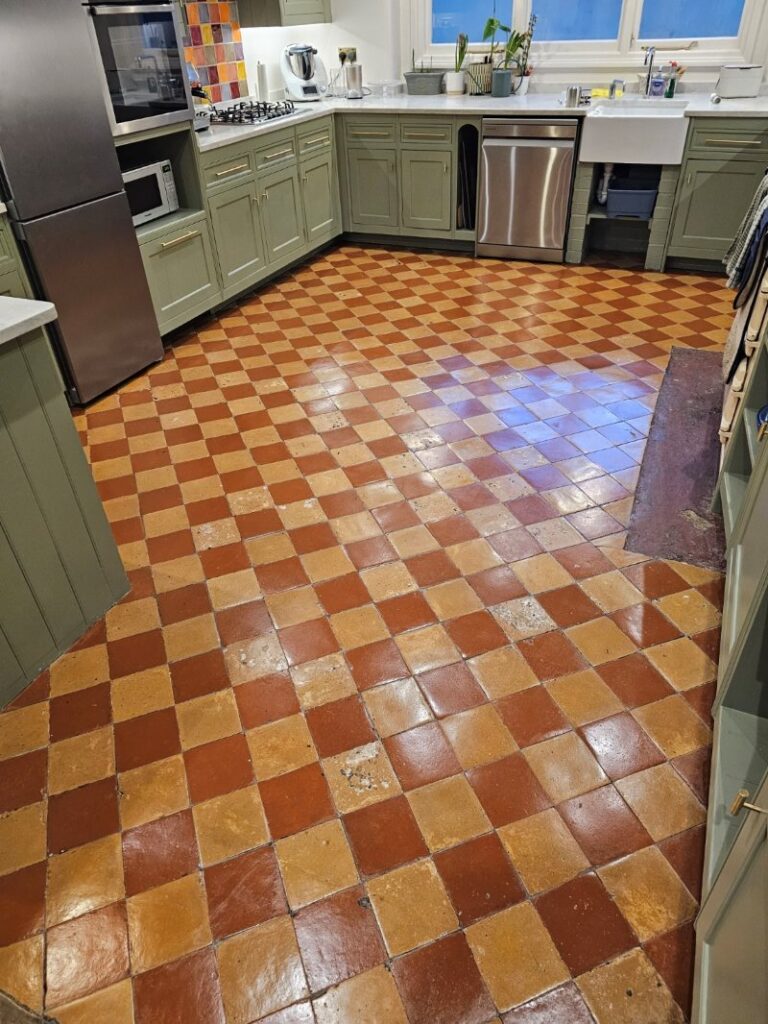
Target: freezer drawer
(525, 196)
(88, 264)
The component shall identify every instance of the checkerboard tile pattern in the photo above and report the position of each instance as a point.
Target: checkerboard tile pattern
(391, 718)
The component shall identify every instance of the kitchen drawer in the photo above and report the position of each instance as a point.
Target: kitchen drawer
(370, 132)
(277, 150)
(426, 132)
(7, 246)
(729, 137)
(316, 138)
(12, 285)
(227, 166)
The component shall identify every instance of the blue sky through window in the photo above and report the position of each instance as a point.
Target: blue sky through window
(682, 19)
(449, 17)
(569, 20)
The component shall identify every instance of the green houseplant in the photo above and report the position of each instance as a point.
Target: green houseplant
(455, 80)
(422, 81)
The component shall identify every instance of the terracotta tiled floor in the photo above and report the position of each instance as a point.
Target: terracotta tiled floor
(391, 728)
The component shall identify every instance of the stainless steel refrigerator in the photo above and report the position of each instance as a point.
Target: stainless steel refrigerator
(61, 181)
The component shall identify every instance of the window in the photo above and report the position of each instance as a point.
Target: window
(681, 19)
(449, 17)
(587, 19)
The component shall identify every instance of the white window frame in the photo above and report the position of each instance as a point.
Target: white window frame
(559, 60)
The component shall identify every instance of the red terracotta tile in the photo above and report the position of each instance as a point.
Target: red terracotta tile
(434, 567)
(80, 712)
(198, 675)
(495, 585)
(451, 689)
(634, 680)
(338, 938)
(384, 836)
(225, 559)
(186, 990)
(266, 699)
(184, 603)
(621, 746)
(508, 790)
(209, 510)
(397, 516)
(245, 479)
(479, 878)
(296, 800)
(701, 699)
(256, 524)
(344, 592)
(345, 503)
(531, 509)
(672, 955)
(645, 625)
(562, 1005)
(695, 768)
(374, 551)
(340, 725)
(421, 755)
(655, 579)
(218, 767)
(551, 655)
(147, 738)
(476, 633)
(283, 575)
(514, 545)
(159, 852)
(286, 491)
(569, 606)
(603, 825)
(376, 663)
(308, 641)
(532, 716)
(440, 984)
(86, 954)
(159, 499)
(81, 815)
(134, 653)
(23, 780)
(170, 545)
(583, 561)
(313, 538)
(709, 642)
(685, 852)
(243, 622)
(37, 690)
(585, 924)
(22, 897)
(453, 530)
(244, 892)
(406, 612)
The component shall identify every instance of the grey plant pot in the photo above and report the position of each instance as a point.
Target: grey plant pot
(423, 83)
(501, 82)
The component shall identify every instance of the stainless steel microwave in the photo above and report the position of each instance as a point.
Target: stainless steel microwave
(139, 48)
(151, 191)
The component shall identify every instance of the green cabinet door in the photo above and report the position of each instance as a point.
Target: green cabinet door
(181, 274)
(304, 12)
(713, 198)
(12, 285)
(237, 231)
(373, 190)
(321, 206)
(426, 188)
(282, 215)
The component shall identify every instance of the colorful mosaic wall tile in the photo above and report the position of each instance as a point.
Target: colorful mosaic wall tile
(213, 45)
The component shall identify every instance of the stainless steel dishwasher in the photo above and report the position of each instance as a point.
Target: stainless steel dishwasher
(526, 171)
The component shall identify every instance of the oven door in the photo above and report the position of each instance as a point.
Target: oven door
(141, 54)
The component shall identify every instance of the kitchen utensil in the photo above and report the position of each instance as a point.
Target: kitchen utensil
(304, 74)
(738, 81)
(572, 96)
(353, 81)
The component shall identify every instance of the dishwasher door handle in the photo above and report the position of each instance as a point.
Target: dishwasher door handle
(528, 144)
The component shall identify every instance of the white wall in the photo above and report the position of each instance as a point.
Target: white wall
(373, 26)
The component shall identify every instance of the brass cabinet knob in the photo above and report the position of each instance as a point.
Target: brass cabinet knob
(740, 801)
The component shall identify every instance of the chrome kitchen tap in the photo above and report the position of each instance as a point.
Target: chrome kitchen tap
(650, 56)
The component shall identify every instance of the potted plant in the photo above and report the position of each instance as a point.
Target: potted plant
(454, 80)
(502, 72)
(526, 68)
(422, 81)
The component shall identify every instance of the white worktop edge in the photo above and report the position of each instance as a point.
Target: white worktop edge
(20, 316)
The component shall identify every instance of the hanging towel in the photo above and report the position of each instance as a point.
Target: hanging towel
(738, 253)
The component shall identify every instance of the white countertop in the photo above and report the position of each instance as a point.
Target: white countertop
(544, 104)
(20, 316)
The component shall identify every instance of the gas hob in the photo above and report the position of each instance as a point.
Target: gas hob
(247, 112)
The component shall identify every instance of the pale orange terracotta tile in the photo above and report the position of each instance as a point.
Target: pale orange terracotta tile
(140, 693)
(208, 718)
(682, 663)
(516, 956)
(322, 681)
(648, 892)
(316, 863)
(388, 580)
(360, 777)
(272, 548)
(84, 879)
(359, 627)
(167, 520)
(327, 564)
(368, 998)
(178, 572)
(415, 540)
(301, 513)
(628, 990)
(251, 659)
(690, 611)
(473, 556)
(233, 588)
(662, 801)
(21, 971)
(166, 922)
(189, 637)
(543, 851)
(522, 617)
(478, 736)
(601, 640)
(451, 599)
(23, 730)
(428, 648)
(396, 897)
(22, 837)
(611, 591)
(152, 791)
(359, 526)
(132, 617)
(565, 767)
(294, 606)
(673, 725)
(542, 572)
(81, 759)
(396, 707)
(260, 971)
(448, 812)
(693, 575)
(281, 746)
(229, 824)
(113, 1004)
(502, 672)
(584, 697)
(78, 669)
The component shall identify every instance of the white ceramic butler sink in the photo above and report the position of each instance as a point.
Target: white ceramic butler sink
(635, 131)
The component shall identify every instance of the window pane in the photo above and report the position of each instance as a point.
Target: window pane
(449, 17)
(681, 19)
(566, 19)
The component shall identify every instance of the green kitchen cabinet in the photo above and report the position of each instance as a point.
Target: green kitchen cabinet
(426, 183)
(180, 268)
(12, 284)
(713, 197)
(237, 231)
(282, 214)
(320, 198)
(267, 13)
(373, 193)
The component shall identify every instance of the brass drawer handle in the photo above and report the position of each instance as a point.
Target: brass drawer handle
(317, 140)
(740, 801)
(424, 135)
(231, 170)
(279, 153)
(734, 142)
(177, 241)
(359, 133)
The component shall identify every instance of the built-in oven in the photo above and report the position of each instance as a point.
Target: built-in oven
(140, 51)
